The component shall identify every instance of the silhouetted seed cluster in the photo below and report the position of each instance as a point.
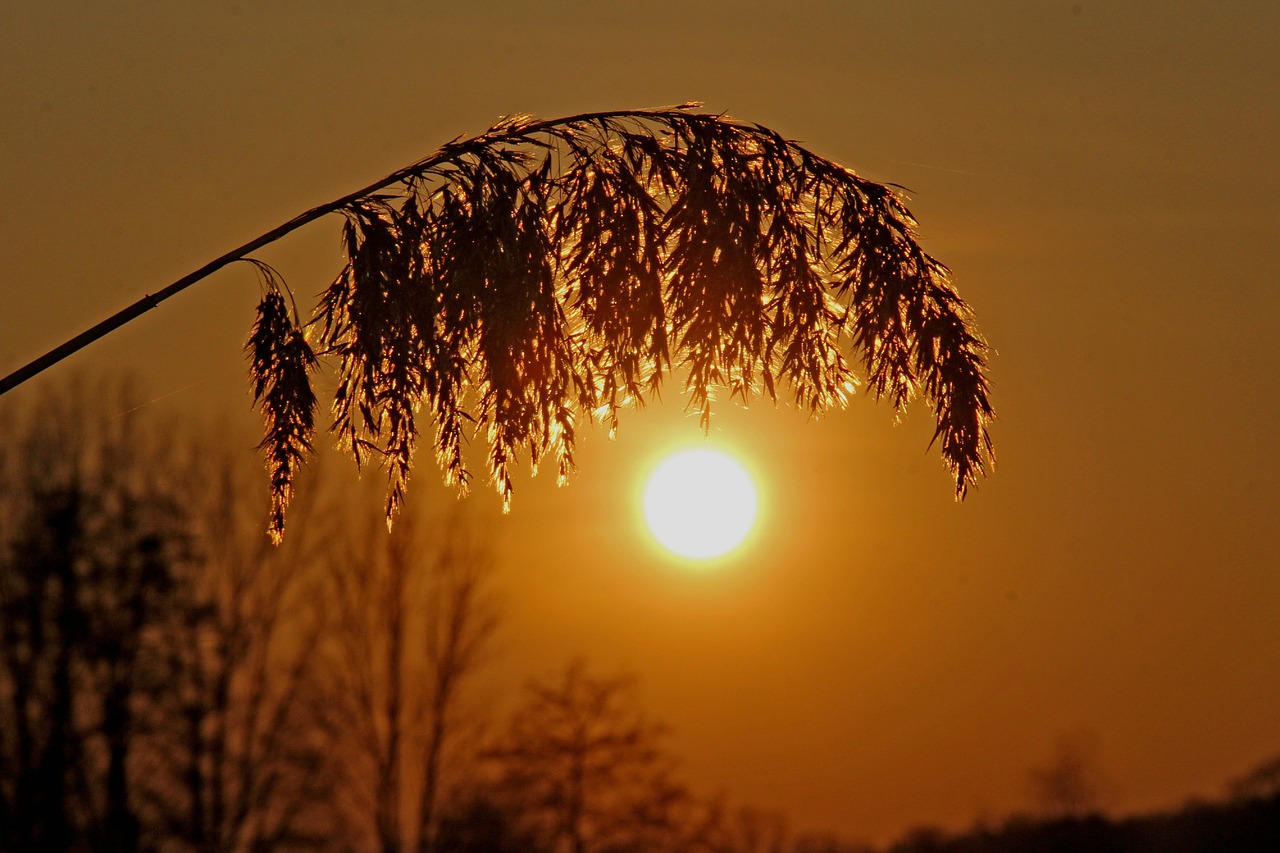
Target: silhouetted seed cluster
(280, 360)
(550, 270)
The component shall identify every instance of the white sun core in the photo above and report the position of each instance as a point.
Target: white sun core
(699, 503)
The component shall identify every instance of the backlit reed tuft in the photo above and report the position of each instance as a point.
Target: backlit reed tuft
(280, 360)
(547, 273)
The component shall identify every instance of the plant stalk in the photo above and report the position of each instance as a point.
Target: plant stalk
(443, 154)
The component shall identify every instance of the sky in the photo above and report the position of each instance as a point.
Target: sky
(1100, 177)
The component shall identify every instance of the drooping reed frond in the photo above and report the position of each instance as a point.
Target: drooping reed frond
(280, 360)
(550, 272)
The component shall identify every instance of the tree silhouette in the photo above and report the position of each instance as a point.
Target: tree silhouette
(238, 745)
(412, 622)
(91, 546)
(156, 671)
(584, 766)
(551, 271)
(1071, 784)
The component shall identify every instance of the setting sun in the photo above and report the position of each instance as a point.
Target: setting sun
(699, 503)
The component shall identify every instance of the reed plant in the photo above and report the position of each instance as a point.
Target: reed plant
(517, 284)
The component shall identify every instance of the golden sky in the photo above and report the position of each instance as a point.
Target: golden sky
(1102, 179)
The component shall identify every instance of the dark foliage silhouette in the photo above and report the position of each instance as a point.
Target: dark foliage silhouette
(1239, 826)
(479, 825)
(1262, 782)
(547, 273)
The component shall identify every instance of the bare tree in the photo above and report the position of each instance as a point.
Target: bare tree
(154, 666)
(461, 621)
(549, 272)
(239, 748)
(584, 769)
(1071, 783)
(91, 546)
(411, 622)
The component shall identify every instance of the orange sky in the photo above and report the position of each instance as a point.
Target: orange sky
(1104, 184)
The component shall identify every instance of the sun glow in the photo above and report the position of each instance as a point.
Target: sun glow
(699, 504)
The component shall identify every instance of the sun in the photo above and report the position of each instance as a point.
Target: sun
(700, 503)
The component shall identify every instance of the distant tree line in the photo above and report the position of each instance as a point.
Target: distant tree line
(1230, 826)
(172, 681)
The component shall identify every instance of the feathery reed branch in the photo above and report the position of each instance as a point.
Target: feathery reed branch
(545, 271)
(280, 360)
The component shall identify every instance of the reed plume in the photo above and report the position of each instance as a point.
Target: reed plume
(513, 285)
